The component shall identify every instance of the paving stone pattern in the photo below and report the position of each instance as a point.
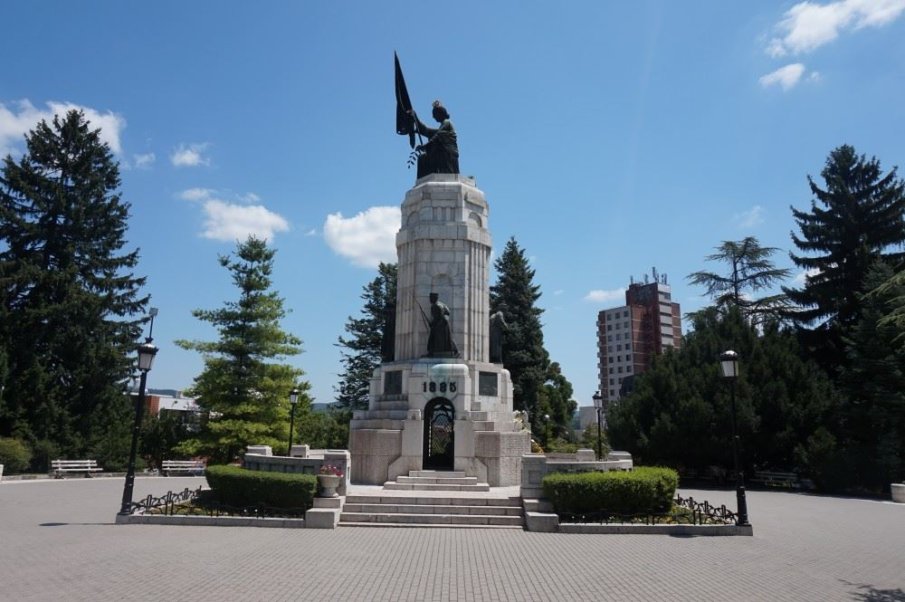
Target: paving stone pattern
(58, 542)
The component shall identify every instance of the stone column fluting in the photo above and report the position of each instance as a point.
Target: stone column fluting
(443, 247)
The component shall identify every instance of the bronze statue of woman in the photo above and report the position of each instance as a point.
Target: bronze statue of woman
(440, 154)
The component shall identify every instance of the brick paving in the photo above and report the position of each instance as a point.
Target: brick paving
(58, 542)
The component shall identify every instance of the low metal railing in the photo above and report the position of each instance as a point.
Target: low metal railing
(199, 502)
(685, 511)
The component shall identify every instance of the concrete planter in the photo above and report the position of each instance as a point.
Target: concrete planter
(898, 492)
(328, 484)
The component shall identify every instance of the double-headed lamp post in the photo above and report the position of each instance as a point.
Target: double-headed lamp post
(729, 366)
(146, 353)
(293, 401)
(598, 405)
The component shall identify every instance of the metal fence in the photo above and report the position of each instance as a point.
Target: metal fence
(199, 502)
(685, 511)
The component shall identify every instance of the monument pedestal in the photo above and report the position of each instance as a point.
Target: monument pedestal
(394, 435)
(442, 412)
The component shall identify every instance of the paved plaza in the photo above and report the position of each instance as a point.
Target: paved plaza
(58, 542)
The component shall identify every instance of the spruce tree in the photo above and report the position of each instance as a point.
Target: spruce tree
(524, 355)
(874, 377)
(69, 298)
(857, 218)
(245, 393)
(363, 349)
(750, 270)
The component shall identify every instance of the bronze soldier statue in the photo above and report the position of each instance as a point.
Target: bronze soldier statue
(440, 342)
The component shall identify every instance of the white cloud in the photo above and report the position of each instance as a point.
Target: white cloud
(600, 296)
(190, 155)
(144, 161)
(311, 232)
(785, 77)
(749, 219)
(196, 194)
(558, 292)
(249, 197)
(227, 222)
(15, 122)
(366, 239)
(809, 25)
(801, 279)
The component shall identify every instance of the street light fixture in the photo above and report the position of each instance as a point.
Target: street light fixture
(598, 405)
(146, 353)
(293, 401)
(729, 367)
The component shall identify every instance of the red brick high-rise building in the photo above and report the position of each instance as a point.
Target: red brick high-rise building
(629, 336)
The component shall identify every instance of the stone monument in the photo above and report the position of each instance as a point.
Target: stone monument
(439, 403)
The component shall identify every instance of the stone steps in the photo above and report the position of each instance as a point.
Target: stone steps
(396, 486)
(426, 526)
(393, 508)
(438, 480)
(457, 509)
(433, 473)
(430, 511)
(422, 519)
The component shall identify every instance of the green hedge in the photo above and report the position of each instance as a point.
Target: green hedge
(644, 490)
(237, 486)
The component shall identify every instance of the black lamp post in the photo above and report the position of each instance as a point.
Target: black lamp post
(146, 353)
(546, 430)
(293, 401)
(729, 366)
(598, 405)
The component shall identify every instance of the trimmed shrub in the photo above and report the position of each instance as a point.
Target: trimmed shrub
(644, 490)
(14, 455)
(239, 487)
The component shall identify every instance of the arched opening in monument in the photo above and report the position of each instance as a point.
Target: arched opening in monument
(439, 434)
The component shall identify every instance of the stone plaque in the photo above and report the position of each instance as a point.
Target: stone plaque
(487, 384)
(392, 382)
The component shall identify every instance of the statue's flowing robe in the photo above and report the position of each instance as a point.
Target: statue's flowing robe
(441, 151)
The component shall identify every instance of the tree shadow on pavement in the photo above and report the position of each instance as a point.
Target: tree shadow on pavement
(869, 593)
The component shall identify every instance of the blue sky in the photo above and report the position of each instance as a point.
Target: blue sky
(608, 137)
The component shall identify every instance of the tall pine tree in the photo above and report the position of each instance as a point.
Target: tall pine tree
(245, 393)
(362, 350)
(70, 301)
(524, 355)
(857, 219)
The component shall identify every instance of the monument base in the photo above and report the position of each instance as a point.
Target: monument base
(438, 414)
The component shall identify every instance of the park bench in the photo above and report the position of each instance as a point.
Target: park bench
(61, 467)
(190, 466)
(775, 478)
